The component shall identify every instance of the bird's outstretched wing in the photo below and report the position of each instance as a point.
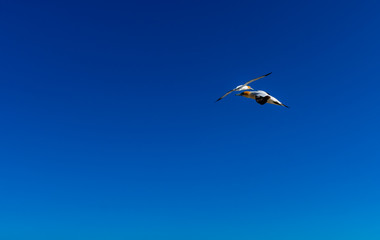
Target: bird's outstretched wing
(225, 95)
(245, 84)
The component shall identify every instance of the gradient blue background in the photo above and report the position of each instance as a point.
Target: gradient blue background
(109, 128)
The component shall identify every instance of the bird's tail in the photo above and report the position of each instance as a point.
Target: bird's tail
(284, 105)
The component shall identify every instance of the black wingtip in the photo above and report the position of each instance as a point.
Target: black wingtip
(268, 74)
(285, 105)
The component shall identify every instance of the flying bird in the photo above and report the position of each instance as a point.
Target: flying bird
(261, 97)
(243, 87)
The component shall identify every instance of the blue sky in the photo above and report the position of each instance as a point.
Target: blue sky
(110, 130)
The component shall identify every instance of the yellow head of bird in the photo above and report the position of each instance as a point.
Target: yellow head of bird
(245, 93)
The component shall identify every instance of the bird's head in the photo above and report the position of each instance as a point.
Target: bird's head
(249, 87)
(245, 93)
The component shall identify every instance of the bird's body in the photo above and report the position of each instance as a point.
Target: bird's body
(261, 97)
(243, 87)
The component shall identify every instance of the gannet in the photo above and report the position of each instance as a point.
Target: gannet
(261, 97)
(243, 87)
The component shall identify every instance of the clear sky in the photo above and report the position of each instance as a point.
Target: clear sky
(110, 130)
